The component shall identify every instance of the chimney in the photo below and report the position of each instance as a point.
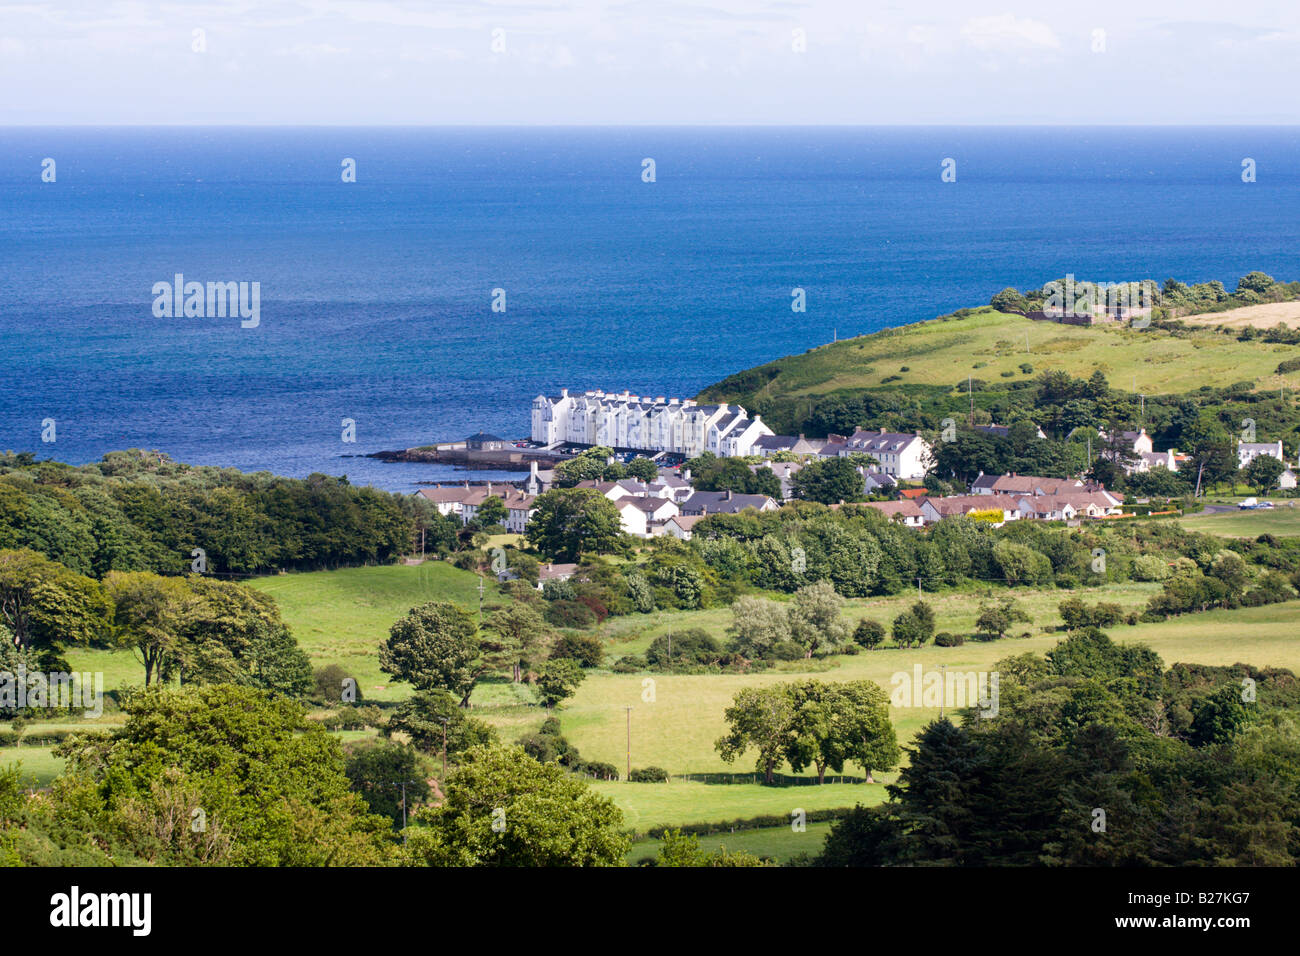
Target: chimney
(882, 431)
(564, 393)
(532, 468)
(728, 494)
(686, 474)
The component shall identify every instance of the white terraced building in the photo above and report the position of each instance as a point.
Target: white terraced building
(624, 420)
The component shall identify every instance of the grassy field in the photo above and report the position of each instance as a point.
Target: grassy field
(1282, 521)
(341, 617)
(774, 843)
(1263, 316)
(988, 343)
(38, 766)
(648, 805)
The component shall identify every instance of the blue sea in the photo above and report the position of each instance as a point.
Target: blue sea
(376, 296)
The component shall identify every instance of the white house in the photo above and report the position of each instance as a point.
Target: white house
(902, 455)
(1248, 451)
(679, 526)
(632, 516)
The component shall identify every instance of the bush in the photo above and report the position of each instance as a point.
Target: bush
(1148, 567)
(786, 651)
(869, 633)
(19, 724)
(629, 664)
(944, 639)
(564, 613)
(693, 646)
(648, 775)
(9, 738)
(586, 649)
(330, 683)
(597, 769)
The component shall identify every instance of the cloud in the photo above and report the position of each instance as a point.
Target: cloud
(1008, 32)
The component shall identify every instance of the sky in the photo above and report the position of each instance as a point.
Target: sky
(657, 62)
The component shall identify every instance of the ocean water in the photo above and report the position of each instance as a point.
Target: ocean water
(376, 295)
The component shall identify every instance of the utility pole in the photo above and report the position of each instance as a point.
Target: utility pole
(402, 784)
(943, 683)
(480, 589)
(629, 746)
(970, 390)
(444, 746)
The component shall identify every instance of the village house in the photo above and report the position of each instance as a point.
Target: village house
(1248, 451)
(539, 481)
(464, 501)
(725, 502)
(906, 511)
(876, 482)
(784, 471)
(902, 455)
(680, 526)
(1002, 431)
(1013, 484)
(769, 445)
(1066, 507)
(554, 572)
(934, 509)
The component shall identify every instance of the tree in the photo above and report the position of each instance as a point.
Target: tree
(558, 680)
(523, 630)
(643, 469)
(758, 718)
(869, 634)
(757, 625)
(571, 522)
(828, 481)
(429, 715)
(1010, 300)
(915, 625)
(491, 512)
(589, 465)
(861, 726)
(503, 808)
(45, 605)
(149, 616)
(263, 774)
(234, 634)
(684, 850)
(388, 777)
(1263, 473)
(811, 738)
(814, 617)
(434, 645)
(998, 617)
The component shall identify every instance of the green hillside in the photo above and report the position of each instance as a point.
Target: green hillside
(929, 362)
